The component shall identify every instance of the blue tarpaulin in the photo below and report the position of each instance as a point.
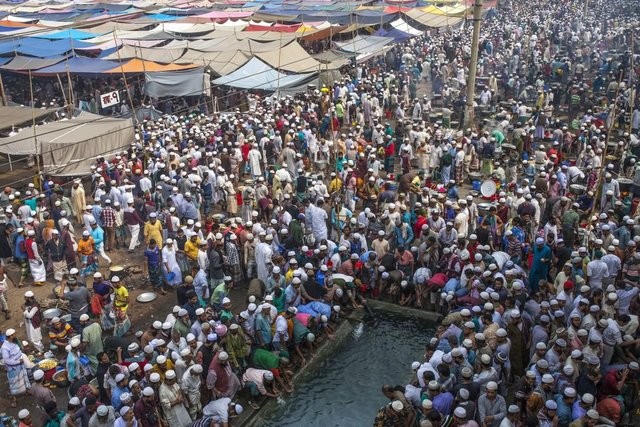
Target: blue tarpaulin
(161, 17)
(67, 34)
(79, 65)
(396, 34)
(40, 48)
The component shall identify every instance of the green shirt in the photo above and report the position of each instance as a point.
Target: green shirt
(570, 219)
(264, 359)
(225, 316)
(219, 293)
(278, 302)
(92, 336)
(300, 331)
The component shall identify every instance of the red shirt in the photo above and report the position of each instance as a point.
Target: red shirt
(609, 385)
(390, 150)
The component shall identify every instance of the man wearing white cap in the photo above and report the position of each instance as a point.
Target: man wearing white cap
(105, 416)
(38, 391)
(153, 229)
(190, 385)
(56, 250)
(492, 408)
(259, 382)
(170, 263)
(218, 412)
(78, 200)
(146, 409)
(33, 320)
(36, 263)
(25, 418)
(14, 364)
(172, 402)
(540, 266)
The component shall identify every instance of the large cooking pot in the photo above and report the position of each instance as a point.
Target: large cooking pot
(116, 270)
(50, 313)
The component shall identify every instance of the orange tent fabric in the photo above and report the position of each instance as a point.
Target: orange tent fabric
(9, 23)
(139, 66)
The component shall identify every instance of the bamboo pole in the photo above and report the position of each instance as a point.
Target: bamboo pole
(2, 92)
(35, 134)
(603, 167)
(64, 94)
(632, 78)
(126, 85)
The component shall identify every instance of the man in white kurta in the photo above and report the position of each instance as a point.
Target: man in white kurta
(36, 264)
(263, 256)
(31, 319)
(254, 158)
(170, 262)
(190, 385)
(172, 402)
(319, 221)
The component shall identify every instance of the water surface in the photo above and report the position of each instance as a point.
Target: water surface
(344, 391)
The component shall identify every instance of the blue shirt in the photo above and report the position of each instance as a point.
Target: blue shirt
(443, 403)
(200, 283)
(153, 257)
(263, 328)
(564, 411)
(115, 397)
(98, 236)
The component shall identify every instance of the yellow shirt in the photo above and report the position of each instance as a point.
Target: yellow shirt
(153, 231)
(335, 185)
(121, 298)
(191, 249)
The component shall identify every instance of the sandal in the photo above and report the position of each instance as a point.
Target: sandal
(251, 403)
(13, 402)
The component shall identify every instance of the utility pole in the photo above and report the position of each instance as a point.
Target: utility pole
(473, 64)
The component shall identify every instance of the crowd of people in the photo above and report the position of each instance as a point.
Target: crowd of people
(313, 204)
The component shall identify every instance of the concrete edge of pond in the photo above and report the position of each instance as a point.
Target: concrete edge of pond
(251, 418)
(256, 418)
(405, 311)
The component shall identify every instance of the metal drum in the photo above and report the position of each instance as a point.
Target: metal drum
(116, 270)
(577, 189)
(625, 184)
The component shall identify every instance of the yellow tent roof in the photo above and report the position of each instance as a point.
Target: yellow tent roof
(457, 10)
(139, 66)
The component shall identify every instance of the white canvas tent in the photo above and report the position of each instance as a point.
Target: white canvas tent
(69, 147)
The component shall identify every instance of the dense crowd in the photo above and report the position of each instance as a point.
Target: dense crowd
(316, 203)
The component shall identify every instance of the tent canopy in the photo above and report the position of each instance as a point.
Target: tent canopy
(14, 116)
(68, 147)
(291, 57)
(26, 63)
(139, 66)
(256, 74)
(78, 65)
(176, 83)
(364, 44)
(433, 20)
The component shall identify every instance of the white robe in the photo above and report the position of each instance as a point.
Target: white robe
(254, 158)
(319, 223)
(38, 269)
(170, 263)
(263, 255)
(177, 415)
(34, 335)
